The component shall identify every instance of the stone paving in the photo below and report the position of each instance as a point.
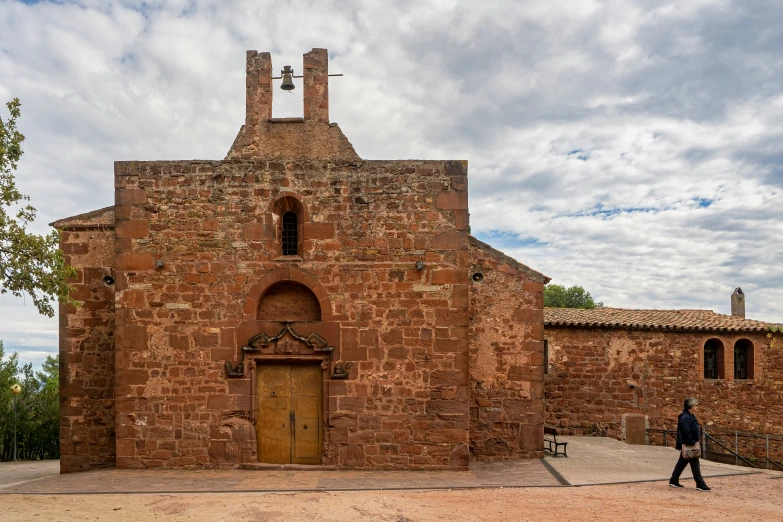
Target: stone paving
(603, 460)
(13, 473)
(591, 461)
(509, 474)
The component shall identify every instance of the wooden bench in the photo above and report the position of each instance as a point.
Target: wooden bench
(551, 444)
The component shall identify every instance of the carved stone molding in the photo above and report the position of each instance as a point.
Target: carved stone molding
(258, 342)
(288, 342)
(239, 371)
(340, 373)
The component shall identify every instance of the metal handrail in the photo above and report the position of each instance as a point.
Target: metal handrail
(665, 434)
(748, 434)
(738, 434)
(711, 437)
(707, 436)
(774, 462)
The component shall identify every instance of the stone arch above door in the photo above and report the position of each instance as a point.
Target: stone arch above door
(282, 275)
(288, 301)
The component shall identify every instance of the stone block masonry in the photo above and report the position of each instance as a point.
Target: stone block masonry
(290, 255)
(506, 356)
(597, 375)
(405, 404)
(87, 435)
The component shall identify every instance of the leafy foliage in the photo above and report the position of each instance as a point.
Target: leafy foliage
(37, 409)
(29, 263)
(558, 296)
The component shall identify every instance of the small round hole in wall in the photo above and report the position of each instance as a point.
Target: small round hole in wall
(478, 277)
(108, 281)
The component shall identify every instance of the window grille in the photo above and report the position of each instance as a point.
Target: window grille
(711, 360)
(290, 239)
(740, 362)
(743, 359)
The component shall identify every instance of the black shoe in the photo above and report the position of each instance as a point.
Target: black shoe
(705, 487)
(675, 485)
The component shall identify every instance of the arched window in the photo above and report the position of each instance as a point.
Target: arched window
(290, 238)
(713, 360)
(743, 359)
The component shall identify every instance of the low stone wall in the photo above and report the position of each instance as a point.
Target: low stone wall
(596, 375)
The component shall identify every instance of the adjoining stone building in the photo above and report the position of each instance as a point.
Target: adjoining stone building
(294, 303)
(606, 363)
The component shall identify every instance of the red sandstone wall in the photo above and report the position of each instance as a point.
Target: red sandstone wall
(87, 353)
(311, 137)
(506, 357)
(597, 375)
(405, 404)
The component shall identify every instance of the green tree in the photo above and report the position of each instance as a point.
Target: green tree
(558, 296)
(8, 369)
(37, 409)
(29, 263)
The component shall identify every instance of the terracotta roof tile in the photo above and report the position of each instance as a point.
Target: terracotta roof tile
(651, 319)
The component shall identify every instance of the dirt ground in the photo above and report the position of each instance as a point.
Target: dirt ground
(749, 497)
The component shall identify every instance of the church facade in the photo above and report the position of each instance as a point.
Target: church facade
(295, 304)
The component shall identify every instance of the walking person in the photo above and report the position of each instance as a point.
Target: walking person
(688, 435)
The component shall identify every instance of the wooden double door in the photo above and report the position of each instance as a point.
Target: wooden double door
(288, 421)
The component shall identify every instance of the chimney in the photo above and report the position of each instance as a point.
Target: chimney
(258, 88)
(738, 303)
(316, 85)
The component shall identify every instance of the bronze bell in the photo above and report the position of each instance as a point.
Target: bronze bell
(288, 82)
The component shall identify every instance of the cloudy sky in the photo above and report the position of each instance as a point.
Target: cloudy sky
(632, 147)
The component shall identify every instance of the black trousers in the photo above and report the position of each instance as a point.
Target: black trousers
(695, 469)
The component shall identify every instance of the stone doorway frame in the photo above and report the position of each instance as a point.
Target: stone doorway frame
(249, 328)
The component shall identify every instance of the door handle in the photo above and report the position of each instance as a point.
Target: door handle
(305, 426)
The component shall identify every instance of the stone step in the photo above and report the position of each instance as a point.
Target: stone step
(261, 466)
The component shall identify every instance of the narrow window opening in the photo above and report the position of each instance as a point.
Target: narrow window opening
(713, 359)
(546, 357)
(290, 239)
(743, 359)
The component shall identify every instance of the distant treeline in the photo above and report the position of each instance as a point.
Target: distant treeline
(37, 418)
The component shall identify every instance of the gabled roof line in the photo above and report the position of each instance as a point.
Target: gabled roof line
(534, 274)
(665, 320)
(87, 220)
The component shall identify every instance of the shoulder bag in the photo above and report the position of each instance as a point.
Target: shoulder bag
(691, 452)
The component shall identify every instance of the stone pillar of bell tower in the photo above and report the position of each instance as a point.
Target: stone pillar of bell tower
(316, 85)
(258, 88)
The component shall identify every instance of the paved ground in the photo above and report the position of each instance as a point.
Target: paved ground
(601, 460)
(15, 473)
(518, 473)
(592, 460)
(491, 492)
(735, 498)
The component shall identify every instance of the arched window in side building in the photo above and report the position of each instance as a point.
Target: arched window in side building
(743, 359)
(713, 360)
(290, 238)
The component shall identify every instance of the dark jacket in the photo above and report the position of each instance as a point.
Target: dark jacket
(688, 430)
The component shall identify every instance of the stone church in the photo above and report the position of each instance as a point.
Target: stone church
(295, 304)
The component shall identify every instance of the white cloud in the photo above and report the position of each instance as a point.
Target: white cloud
(633, 147)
